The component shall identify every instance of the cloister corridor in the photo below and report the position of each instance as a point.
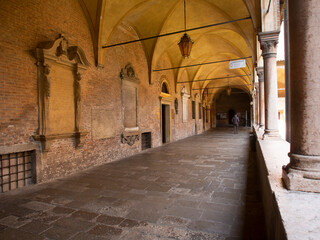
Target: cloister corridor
(202, 187)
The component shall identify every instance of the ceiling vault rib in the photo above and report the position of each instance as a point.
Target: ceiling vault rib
(240, 85)
(212, 79)
(177, 32)
(200, 64)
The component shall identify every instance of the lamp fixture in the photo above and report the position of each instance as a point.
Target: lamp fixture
(228, 89)
(185, 43)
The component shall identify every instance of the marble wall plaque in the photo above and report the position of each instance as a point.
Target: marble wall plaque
(103, 123)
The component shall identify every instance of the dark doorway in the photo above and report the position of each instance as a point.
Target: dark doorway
(165, 123)
(231, 114)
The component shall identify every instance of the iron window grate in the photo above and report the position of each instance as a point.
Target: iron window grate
(17, 170)
(146, 140)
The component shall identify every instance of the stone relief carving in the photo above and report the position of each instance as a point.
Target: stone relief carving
(129, 139)
(58, 64)
(128, 73)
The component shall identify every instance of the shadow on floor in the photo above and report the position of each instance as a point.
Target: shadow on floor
(254, 223)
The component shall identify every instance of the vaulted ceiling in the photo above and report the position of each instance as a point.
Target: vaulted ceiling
(153, 17)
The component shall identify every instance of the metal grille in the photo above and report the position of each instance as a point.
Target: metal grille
(146, 140)
(16, 170)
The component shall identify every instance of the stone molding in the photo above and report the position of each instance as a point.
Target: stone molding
(18, 148)
(268, 43)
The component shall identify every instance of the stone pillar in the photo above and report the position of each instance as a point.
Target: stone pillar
(303, 171)
(269, 41)
(261, 96)
(257, 114)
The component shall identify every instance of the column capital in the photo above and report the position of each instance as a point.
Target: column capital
(260, 74)
(268, 42)
(256, 86)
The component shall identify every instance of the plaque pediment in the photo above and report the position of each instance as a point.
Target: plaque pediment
(128, 73)
(59, 50)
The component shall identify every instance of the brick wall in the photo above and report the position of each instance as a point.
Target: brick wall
(25, 24)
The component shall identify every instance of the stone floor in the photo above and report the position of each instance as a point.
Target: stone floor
(202, 187)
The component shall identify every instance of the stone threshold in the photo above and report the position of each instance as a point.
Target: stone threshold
(289, 215)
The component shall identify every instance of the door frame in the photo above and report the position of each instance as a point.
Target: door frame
(166, 101)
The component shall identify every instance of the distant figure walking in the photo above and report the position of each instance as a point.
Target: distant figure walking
(235, 121)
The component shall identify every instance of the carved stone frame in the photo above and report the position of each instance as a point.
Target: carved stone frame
(184, 99)
(128, 79)
(59, 53)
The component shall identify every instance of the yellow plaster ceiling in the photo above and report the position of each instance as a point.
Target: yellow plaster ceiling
(154, 17)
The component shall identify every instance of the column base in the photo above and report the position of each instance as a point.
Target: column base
(271, 135)
(298, 180)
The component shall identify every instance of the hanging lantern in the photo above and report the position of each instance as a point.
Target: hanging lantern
(185, 45)
(229, 91)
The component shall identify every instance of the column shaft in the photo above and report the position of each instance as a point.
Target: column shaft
(303, 171)
(256, 104)
(261, 97)
(269, 41)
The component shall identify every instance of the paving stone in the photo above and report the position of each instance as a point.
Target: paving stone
(148, 216)
(211, 227)
(38, 206)
(128, 223)
(184, 212)
(109, 220)
(173, 221)
(87, 236)
(74, 224)
(104, 230)
(62, 210)
(35, 227)
(13, 221)
(18, 211)
(84, 215)
(57, 233)
(15, 234)
(216, 216)
(44, 217)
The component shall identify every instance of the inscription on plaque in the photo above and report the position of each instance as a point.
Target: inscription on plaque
(61, 104)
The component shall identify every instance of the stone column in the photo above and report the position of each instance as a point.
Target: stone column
(269, 41)
(303, 171)
(256, 103)
(261, 97)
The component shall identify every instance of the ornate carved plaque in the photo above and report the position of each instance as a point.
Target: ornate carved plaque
(130, 85)
(59, 76)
